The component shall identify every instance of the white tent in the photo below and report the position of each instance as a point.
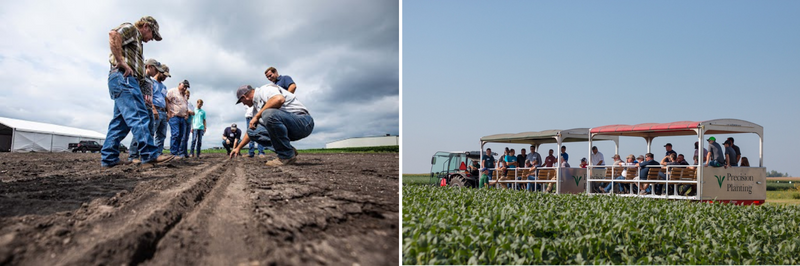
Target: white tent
(21, 135)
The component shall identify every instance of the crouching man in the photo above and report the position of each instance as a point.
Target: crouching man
(279, 118)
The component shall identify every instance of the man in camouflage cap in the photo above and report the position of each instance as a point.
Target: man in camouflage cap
(125, 82)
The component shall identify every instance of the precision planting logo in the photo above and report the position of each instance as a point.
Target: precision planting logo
(736, 187)
(577, 179)
(720, 179)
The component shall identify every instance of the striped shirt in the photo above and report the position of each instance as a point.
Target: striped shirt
(132, 50)
(264, 93)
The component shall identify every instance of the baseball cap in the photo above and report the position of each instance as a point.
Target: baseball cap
(583, 159)
(712, 138)
(483, 169)
(668, 144)
(153, 25)
(165, 70)
(233, 125)
(151, 62)
(185, 83)
(241, 91)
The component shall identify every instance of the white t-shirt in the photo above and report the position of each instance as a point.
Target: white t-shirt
(597, 157)
(625, 169)
(264, 93)
(250, 112)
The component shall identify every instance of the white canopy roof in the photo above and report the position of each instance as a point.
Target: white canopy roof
(29, 126)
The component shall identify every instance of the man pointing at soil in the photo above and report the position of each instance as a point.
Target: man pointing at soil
(280, 118)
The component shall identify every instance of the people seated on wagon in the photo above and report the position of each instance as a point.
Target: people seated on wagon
(670, 159)
(648, 160)
(736, 148)
(716, 156)
(621, 188)
(730, 154)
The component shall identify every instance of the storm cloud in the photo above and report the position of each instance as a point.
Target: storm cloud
(343, 55)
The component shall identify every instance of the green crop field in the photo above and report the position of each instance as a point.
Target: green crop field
(418, 179)
(488, 226)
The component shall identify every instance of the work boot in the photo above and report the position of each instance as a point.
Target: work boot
(281, 162)
(158, 160)
(121, 162)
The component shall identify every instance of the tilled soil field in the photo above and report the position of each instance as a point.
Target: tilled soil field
(328, 209)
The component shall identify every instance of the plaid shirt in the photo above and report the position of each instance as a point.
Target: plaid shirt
(132, 52)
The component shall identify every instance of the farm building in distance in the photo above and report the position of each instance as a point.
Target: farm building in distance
(21, 135)
(387, 140)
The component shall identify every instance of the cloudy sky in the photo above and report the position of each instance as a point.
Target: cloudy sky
(514, 66)
(343, 55)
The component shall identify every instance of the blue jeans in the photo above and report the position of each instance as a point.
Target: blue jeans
(197, 141)
(133, 149)
(176, 127)
(619, 185)
(187, 128)
(229, 147)
(531, 185)
(130, 115)
(253, 143)
(160, 131)
(277, 128)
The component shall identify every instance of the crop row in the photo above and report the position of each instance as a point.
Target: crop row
(486, 226)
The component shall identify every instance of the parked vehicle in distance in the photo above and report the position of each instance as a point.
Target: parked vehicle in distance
(85, 145)
(122, 148)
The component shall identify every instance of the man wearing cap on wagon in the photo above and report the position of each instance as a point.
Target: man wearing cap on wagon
(280, 119)
(715, 156)
(125, 80)
(177, 112)
(669, 149)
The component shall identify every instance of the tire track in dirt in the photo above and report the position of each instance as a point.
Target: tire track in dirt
(130, 236)
(220, 231)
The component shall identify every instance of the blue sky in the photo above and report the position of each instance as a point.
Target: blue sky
(476, 68)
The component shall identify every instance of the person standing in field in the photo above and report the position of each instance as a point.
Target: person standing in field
(177, 114)
(125, 79)
(187, 129)
(151, 70)
(284, 81)
(281, 118)
(198, 129)
(159, 129)
(484, 179)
